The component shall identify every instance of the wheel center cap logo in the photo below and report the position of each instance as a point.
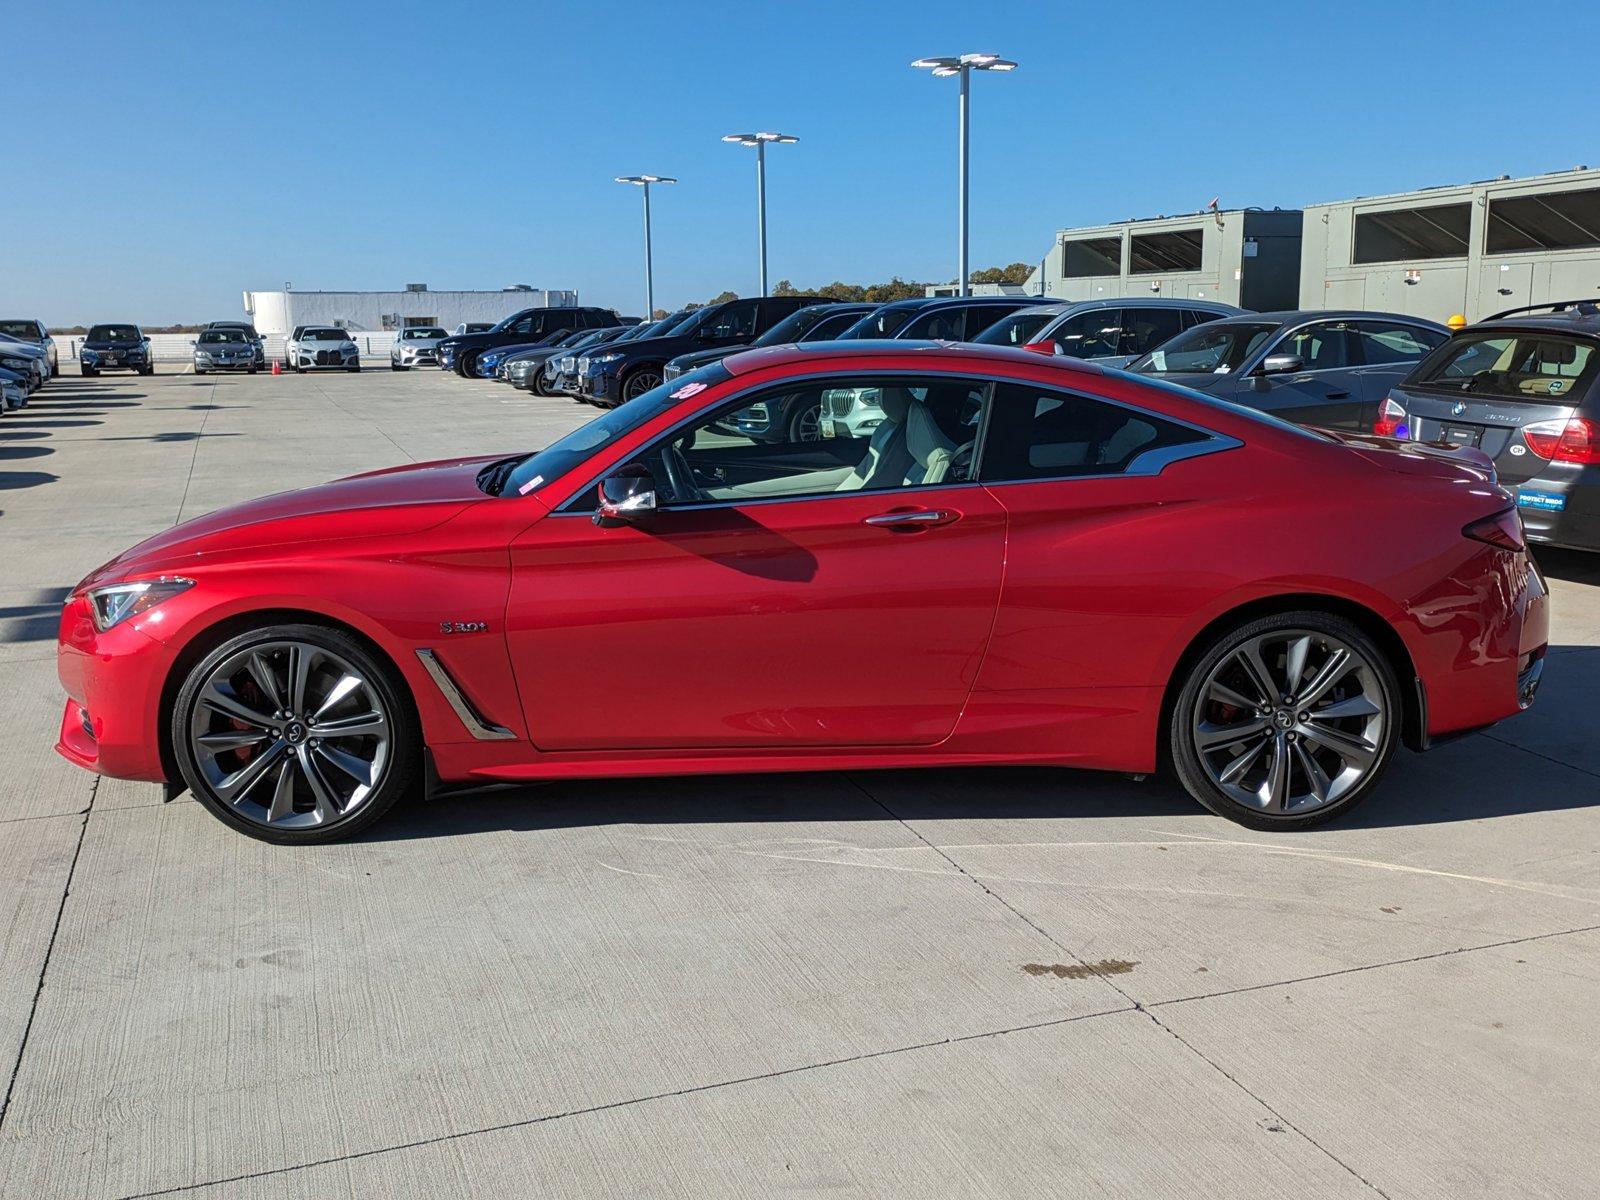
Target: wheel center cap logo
(295, 733)
(1283, 718)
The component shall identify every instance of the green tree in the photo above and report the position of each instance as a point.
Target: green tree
(723, 297)
(784, 288)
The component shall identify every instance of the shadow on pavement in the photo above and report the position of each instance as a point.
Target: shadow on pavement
(1574, 566)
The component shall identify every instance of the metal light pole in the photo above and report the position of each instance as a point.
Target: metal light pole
(963, 66)
(760, 141)
(644, 181)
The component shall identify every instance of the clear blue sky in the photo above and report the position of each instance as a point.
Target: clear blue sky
(166, 156)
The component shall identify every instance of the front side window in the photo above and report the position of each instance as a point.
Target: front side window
(1214, 349)
(1522, 366)
(1094, 334)
(1146, 328)
(941, 325)
(736, 321)
(1320, 347)
(1018, 329)
(1409, 234)
(830, 327)
(881, 323)
(886, 433)
(1158, 253)
(1383, 343)
(1040, 433)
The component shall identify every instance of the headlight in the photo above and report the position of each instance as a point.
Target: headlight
(116, 602)
(606, 358)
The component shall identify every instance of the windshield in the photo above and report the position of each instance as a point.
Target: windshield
(233, 336)
(1016, 330)
(1517, 366)
(519, 477)
(794, 327)
(326, 335)
(113, 333)
(27, 330)
(1214, 349)
(417, 333)
(880, 323)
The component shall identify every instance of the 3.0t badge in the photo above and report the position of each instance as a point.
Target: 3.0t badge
(463, 627)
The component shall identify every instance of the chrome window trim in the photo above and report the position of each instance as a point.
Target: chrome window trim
(476, 724)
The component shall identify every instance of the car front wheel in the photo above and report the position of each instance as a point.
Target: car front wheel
(295, 733)
(1286, 721)
(640, 382)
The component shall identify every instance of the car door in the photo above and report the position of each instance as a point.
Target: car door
(1324, 390)
(733, 326)
(1096, 333)
(827, 593)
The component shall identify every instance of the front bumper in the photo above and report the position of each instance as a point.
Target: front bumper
(416, 358)
(601, 385)
(113, 682)
(123, 362)
(312, 359)
(247, 363)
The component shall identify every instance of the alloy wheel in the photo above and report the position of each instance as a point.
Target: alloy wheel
(1290, 722)
(641, 382)
(808, 424)
(290, 735)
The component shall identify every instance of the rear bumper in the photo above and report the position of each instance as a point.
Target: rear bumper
(1478, 640)
(1561, 507)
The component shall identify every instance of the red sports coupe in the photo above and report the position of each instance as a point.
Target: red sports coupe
(1009, 560)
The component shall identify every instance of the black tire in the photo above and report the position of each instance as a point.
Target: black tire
(1185, 755)
(394, 366)
(251, 369)
(150, 370)
(354, 369)
(402, 765)
(200, 370)
(299, 370)
(467, 364)
(797, 421)
(89, 373)
(639, 381)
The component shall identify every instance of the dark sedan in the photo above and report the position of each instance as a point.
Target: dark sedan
(1331, 369)
(115, 348)
(815, 323)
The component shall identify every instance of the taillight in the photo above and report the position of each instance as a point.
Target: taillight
(1391, 420)
(1574, 441)
(1041, 347)
(1504, 530)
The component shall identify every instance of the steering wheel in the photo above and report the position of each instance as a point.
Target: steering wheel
(961, 463)
(679, 474)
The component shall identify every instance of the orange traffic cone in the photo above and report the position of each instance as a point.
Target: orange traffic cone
(277, 366)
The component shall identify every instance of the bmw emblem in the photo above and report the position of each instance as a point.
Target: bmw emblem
(1458, 409)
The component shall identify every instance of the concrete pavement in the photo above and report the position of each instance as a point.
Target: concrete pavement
(901, 984)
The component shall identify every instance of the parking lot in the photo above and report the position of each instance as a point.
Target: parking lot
(991, 982)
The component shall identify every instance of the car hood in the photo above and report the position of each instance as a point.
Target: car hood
(326, 344)
(392, 502)
(699, 358)
(419, 343)
(656, 348)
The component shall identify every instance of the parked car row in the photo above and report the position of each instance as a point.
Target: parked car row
(27, 360)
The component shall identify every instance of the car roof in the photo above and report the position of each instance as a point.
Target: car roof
(1567, 316)
(967, 354)
(1056, 308)
(1295, 316)
(921, 302)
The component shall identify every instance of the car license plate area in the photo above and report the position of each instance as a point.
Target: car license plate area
(1461, 435)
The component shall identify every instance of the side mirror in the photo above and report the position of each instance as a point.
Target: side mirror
(1282, 364)
(626, 495)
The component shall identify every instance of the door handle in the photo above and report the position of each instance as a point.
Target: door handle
(920, 518)
(1338, 395)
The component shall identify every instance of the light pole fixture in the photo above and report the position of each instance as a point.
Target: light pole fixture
(760, 141)
(963, 66)
(644, 181)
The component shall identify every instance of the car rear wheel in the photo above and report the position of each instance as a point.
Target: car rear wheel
(1286, 721)
(295, 733)
(640, 382)
(467, 365)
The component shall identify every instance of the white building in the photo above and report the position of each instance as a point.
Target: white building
(1473, 248)
(274, 314)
